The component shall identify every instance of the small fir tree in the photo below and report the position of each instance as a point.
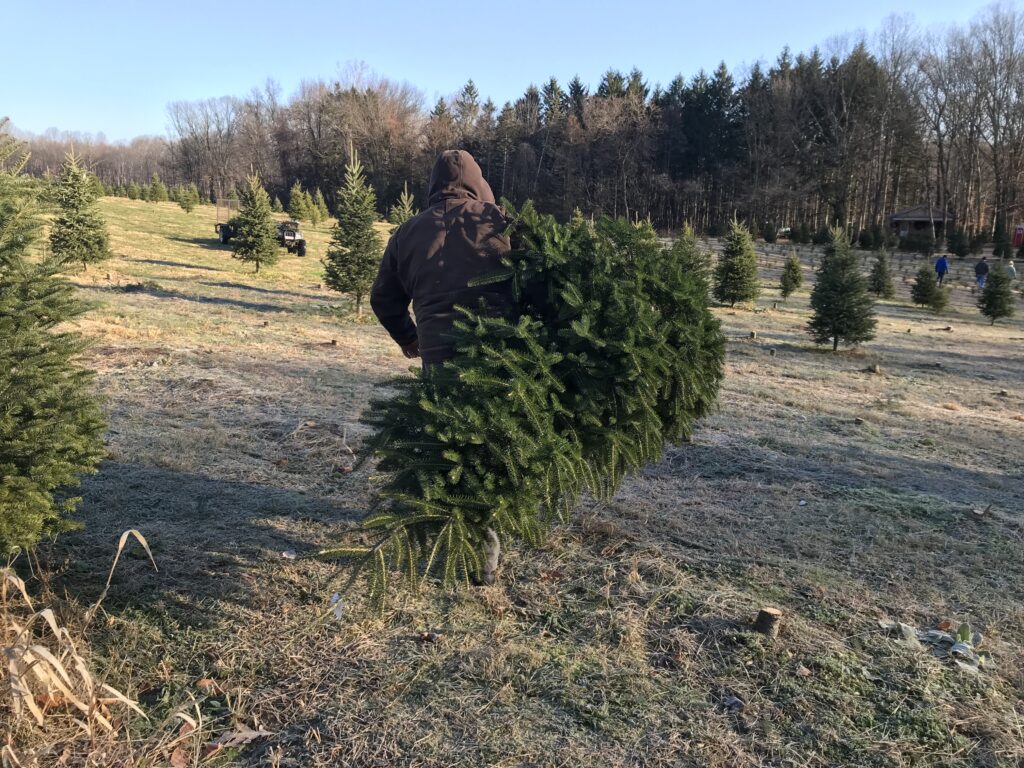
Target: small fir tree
(403, 210)
(276, 206)
(157, 190)
(353, 257)
(687, 254)
(1002, 247)
(78, 232)
(323, 214)
(133, 192)
(959, 243)
(880, 280)
(792, 276)
(255, 237)
(769, 232)
(843, 309)
(51, 427)
(188, 197)
(298, 208)
(736, 273)
(996, 300)
(926, 290)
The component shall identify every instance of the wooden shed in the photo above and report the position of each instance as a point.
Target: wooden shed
(917, 219)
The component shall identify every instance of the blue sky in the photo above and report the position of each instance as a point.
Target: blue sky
(113, 66)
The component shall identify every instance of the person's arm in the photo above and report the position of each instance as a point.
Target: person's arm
(390, 302)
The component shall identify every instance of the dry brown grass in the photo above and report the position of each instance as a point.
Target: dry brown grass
(839, 495)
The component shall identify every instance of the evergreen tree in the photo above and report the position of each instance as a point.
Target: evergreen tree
(323, 214)
(276, 206)
(996, 300)
(769, 232)
(1002, 247)
(880, 280)
(78, 232)
(403, 210)
(926, 290)
(959, 243)
(132, 192)
(685, 252)
(614, 353)
(843, 310)
(51, 427)
(188, 197)
(353, 257)
(792, 276)
(144, 192)
(298, 208)
(311, 210)
(736, 273)
(157, 190)
(255, 235)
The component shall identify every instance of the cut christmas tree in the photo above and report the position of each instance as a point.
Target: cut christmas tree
(613, 353)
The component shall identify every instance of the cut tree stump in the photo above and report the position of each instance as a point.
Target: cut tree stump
(768, 622)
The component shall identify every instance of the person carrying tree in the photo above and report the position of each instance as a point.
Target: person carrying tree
(981, 272)
(941, 268)
(430, 261)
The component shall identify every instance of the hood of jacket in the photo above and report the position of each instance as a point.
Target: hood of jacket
(456, 176)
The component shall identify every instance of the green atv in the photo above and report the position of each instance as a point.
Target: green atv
(289, 236)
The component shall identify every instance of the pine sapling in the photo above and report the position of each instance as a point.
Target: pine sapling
(880, 280)
(843, 309)
(353, 256)
(255, 235)
(792, 276)
(78, 232)
(996, 300)
(926, 290)
(736, 273)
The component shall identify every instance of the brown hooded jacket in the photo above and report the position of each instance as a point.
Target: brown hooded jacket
(433, 256)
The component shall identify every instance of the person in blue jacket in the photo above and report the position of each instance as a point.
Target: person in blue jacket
(941, 268)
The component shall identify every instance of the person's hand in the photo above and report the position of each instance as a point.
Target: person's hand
(412, 349)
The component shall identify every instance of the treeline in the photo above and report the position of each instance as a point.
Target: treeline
(843, 135)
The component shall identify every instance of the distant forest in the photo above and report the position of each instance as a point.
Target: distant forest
(846, 134)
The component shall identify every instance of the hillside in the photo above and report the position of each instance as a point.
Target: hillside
(844, 496)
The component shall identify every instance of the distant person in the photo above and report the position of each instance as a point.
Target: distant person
(430, 261)
(433, 256)
(981, 272)
(941, 268)
(1011, 271)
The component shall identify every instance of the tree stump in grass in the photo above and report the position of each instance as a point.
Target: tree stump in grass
(768, 622)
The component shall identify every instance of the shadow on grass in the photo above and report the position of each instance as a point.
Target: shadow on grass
(209, 243)
(205, 533)
(268, 291)
(166, 263)
(165, 293)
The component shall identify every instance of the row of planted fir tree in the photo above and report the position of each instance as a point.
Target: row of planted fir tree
(876, 238)
(843, 309)
(353, 256)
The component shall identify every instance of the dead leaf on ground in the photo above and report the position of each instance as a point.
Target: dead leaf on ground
(179, 758)
(239, 736)
(208, 685)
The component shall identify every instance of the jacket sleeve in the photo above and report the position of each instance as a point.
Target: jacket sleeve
(389, 299)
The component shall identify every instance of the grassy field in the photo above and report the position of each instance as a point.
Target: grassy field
(842, 494)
